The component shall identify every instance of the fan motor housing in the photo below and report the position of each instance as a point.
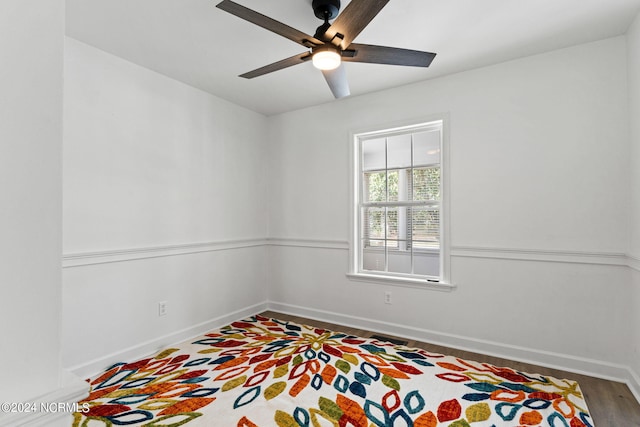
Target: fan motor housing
(326, 9)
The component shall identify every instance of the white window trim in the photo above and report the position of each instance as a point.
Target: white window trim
(354, 273)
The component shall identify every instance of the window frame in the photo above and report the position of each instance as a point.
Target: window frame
(357, 194)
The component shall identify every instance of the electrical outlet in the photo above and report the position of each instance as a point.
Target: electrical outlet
(387, 297)
(162, 308)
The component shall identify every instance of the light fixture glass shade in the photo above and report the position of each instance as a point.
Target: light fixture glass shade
(326, 59)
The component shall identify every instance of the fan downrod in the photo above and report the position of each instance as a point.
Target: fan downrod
(326, 9)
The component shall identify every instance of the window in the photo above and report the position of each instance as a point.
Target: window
(399, 209)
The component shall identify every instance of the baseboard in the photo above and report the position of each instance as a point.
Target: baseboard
(51, 409)
(578, 365)
(633, 382)
(91, 368)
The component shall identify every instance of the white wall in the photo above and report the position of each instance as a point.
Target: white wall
(633, 58)
(164, 200)
(539, 171)
(31, 49)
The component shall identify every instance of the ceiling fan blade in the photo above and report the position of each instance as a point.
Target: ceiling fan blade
(387, 55)
(353, 19)
(337, 81)
(268, 23)
(285, 63)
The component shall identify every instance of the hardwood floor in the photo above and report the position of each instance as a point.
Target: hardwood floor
(611, 404)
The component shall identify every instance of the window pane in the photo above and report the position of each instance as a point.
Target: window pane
(373, 259)
(376, 183)
(374, 223)
(375, 187)
(392, 224)
(400, 262)
(374, 154)
(426, 148)
(399, 151)
(425, 228)
(426, 263)
(374, 243)
(392, 175)
(426, 184)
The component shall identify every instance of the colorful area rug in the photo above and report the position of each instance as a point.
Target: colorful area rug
(263, 372)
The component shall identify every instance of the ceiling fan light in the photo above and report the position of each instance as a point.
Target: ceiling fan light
(328, 59)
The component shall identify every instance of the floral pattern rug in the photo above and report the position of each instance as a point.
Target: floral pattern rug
(263, 372)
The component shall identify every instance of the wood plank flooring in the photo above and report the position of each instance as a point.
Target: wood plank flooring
(611, 404)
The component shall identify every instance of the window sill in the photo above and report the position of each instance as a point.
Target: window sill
(401, 281)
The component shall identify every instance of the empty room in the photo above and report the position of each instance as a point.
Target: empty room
(305, 213)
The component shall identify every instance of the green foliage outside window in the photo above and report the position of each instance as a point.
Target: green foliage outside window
(377, 186)
(424, 223)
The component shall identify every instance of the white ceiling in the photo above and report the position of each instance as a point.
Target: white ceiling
(205, 47)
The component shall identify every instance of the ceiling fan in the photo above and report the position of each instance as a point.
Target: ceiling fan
(332, 42)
